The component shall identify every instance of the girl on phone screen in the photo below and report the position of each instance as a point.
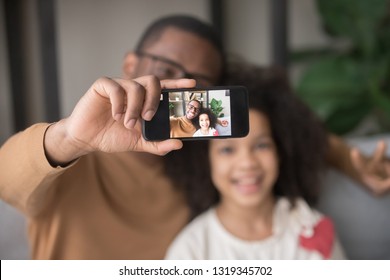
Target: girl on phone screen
(206, 125)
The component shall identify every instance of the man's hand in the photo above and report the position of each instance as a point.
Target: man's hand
(108, 118)
(223, 123)
(374, 171)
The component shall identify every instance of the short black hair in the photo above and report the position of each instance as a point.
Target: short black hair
(186, 23)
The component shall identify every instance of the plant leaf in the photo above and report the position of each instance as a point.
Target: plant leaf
(354, 19)
(336, 88)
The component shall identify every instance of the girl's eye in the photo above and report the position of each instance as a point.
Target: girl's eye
(263, 145)
(226, 150)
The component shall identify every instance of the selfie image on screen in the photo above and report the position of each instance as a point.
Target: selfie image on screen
(200, 113)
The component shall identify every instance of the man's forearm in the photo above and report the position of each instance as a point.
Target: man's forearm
(338, 156)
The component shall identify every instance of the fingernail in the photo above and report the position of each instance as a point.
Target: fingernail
(131, 123)
(149, 115)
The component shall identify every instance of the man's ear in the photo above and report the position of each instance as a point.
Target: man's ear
(129, 65)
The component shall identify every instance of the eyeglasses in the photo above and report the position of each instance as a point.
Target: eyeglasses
(164, 68)
(191, 107)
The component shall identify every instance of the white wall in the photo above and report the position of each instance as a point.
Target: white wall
(249, 23)
(247, 29)
(305, 29)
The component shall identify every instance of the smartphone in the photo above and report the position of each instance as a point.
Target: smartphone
(200, 113)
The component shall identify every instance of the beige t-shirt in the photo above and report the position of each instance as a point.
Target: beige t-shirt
(181, 127)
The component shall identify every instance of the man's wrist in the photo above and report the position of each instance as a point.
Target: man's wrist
(58, 149)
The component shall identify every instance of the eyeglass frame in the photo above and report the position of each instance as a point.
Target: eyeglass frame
(192, 107)
(186, 74)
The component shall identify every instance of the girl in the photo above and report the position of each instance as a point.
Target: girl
(265, 184)
(206, 125)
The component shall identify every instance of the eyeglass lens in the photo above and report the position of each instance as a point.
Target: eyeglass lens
(165, 69)
(191, 107)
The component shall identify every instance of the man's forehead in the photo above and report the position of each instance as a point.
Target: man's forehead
(195, 54)
(193, 102)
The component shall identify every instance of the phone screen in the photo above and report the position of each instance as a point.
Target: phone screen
(192, 114)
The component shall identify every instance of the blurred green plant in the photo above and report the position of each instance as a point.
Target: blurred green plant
(216, 107)
(171, 107)
(347, 84)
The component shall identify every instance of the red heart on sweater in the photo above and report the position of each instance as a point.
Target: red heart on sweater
(322, 238)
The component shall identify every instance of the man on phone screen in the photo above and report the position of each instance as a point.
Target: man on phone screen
(184, 126)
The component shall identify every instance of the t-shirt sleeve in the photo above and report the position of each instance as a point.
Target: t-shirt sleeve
(25, 173)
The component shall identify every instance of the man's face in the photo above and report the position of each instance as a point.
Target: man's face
(178, 54)
(192, 109)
